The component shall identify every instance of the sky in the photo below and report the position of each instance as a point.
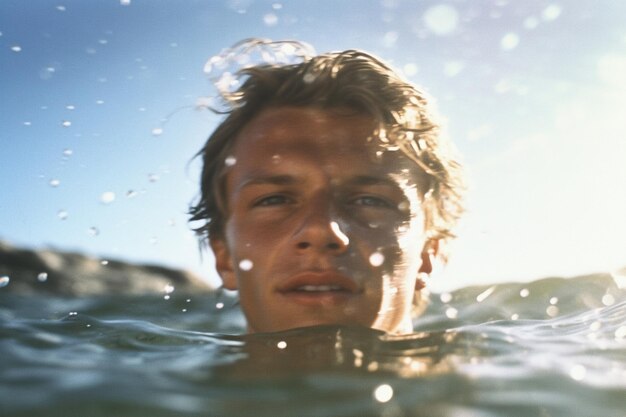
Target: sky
(100, 120)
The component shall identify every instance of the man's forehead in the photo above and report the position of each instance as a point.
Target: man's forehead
(294, 139)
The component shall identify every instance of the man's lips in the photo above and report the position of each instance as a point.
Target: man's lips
(311, 282)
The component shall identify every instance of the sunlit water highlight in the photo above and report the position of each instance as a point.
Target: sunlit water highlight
(501, 354)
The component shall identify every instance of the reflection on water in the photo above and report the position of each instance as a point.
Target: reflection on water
(503, 354)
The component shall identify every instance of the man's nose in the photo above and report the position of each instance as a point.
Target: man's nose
(320, 230)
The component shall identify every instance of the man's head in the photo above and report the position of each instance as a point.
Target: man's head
(325, 193)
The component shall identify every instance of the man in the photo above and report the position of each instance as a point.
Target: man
(327, 193)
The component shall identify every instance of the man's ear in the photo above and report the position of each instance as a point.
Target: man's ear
(429, 254)
(224, 263)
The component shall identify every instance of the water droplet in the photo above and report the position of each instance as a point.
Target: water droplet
(282, 344)
(184, 310)
(131, 193)
(16, 48)
(277, 6)
(403, 206)
(157, 131)
(452, 312)
(554, 300)
(153, 177)
(27, 123)
(169, 288)
(608, 300)
(61, 8)
(577, 372)
(552, 311)
(219, 306)
(166, 297)
(245, 265)
(102, 41)
(4, 281)
(99, 101)
(441, 19)
(551, 12)
(453, 68)
(383, 393)
(62, 214)
(509, 41)
(270, 19)
(485, 294)
(410, 69)
(54, 182)
(524, 292)
(620, 333)
(276, 159)
(73, 313)
(67, 152)
(104, 262)
(445, 297)
(308, 78)
(514, 316)
(66, 123)
(125, 2)
(93, 231)
(42, 277)
(531, 22)
(230, 161)
(107, 197)
(595, 326)
(70, 107)
(188, 300)
(390, 38)
(377, 259)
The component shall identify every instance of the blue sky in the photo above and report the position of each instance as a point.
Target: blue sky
(533, 93)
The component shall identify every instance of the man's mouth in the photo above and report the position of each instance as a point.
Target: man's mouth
(319, 288)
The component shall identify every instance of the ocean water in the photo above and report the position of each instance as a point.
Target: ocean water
(553, 347)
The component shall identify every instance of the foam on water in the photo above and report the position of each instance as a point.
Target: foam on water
(143, 355)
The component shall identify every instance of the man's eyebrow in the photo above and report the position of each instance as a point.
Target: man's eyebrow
(261, 179)
(364, 180)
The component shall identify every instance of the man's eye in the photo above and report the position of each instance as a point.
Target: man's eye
(272, 200)
(370, 201)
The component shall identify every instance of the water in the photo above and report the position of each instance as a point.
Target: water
(549, 348)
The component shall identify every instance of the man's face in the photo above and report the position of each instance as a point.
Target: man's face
(323, 227)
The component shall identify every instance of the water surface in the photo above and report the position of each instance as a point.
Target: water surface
(550, 348)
